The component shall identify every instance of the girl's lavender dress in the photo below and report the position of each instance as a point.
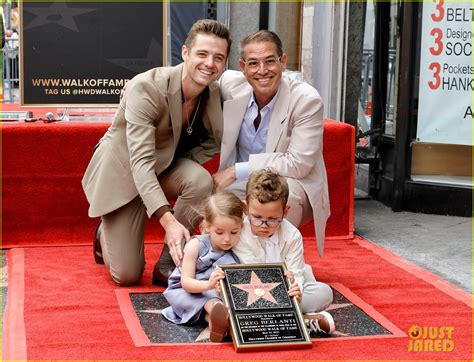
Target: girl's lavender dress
(187, 307)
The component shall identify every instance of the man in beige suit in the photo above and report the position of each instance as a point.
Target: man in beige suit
(277, 123)
(168, 123)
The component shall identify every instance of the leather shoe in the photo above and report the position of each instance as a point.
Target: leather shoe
(218, 322)
(163, 268)
(97, 247)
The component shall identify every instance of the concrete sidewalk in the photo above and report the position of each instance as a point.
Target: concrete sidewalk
(440, 244)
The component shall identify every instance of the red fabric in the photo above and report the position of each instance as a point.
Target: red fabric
(43, 201)
(71, 310)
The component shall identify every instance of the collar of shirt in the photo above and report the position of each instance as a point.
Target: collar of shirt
(251, 141)
(265, 110)
(271, 245)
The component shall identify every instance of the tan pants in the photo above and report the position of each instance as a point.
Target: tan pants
(300, 209)
(123, 230)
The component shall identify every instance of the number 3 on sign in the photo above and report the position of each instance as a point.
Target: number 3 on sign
(436, 68)
(438, 34)
(440, 9)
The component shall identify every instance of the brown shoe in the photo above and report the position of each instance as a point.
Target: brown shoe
(99, 259)
(218, 322)
(163, 268)
(321, 322)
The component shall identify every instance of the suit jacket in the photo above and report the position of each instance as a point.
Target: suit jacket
(141, 142)
(294, 146)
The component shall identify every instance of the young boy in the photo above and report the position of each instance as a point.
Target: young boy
(267, 237)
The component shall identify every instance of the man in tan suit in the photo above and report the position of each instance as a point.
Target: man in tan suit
(270, 121)
(168, 123)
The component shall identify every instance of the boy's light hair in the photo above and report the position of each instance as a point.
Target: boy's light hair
(266, 186)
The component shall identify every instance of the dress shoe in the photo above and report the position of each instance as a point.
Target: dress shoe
(321, 322)
(163, 268)
(159, 278)
(97, 247)
(218, 322)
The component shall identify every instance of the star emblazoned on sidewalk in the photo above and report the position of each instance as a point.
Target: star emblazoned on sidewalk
(256, 289)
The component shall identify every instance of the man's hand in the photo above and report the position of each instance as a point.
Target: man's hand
(224, 178)
(176, 235)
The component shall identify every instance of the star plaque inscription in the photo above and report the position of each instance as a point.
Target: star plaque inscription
(262, 314)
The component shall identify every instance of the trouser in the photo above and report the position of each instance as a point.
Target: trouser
(300, 209)
(122, 231)
(316, 296)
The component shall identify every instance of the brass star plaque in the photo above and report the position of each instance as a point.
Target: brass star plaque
(262, 314)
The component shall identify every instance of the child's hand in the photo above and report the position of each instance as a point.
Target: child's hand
(294, 290)
(289, 274)
(216, 275)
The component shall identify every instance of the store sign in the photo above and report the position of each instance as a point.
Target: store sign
(83, 53)
(446, 73)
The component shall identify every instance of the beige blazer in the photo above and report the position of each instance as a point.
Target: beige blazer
(294, 142)
(141, 142)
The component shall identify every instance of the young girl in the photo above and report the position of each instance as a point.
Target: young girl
(191, 287)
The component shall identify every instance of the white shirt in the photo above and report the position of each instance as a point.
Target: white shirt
(271, 245)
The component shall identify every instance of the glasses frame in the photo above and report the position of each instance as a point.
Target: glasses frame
(264, 222)
(261, 63)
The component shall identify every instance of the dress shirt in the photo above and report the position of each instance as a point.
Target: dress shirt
(271, 245)
(252, 141)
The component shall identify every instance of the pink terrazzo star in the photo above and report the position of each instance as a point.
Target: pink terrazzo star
(257, 289)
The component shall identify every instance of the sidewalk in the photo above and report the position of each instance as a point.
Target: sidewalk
(440, 244)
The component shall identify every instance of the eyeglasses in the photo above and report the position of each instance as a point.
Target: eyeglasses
(268, 63)
(256, 221)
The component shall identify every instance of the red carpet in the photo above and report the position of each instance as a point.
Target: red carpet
(70, 309)
(62, 306)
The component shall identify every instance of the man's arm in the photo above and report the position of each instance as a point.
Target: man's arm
(143, 106)
(142, 109)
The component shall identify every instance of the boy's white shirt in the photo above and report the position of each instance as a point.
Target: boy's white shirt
(250, 250)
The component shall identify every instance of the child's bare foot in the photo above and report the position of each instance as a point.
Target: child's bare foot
(218, 322)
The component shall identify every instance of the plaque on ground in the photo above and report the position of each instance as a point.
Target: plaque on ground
(262, 314)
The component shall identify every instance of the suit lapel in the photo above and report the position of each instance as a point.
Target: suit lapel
(173, 96)
(234, 111)
(213, 112)
(278, 121)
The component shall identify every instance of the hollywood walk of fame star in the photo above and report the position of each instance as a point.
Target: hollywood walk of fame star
(256, 289)
(57, 13)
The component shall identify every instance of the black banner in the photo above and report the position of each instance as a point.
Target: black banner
(82, 53)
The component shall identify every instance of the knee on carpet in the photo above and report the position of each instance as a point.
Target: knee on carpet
(126, 277)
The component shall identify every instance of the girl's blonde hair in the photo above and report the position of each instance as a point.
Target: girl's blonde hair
(222, 204)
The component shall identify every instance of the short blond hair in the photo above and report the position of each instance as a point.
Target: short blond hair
(266, 185)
